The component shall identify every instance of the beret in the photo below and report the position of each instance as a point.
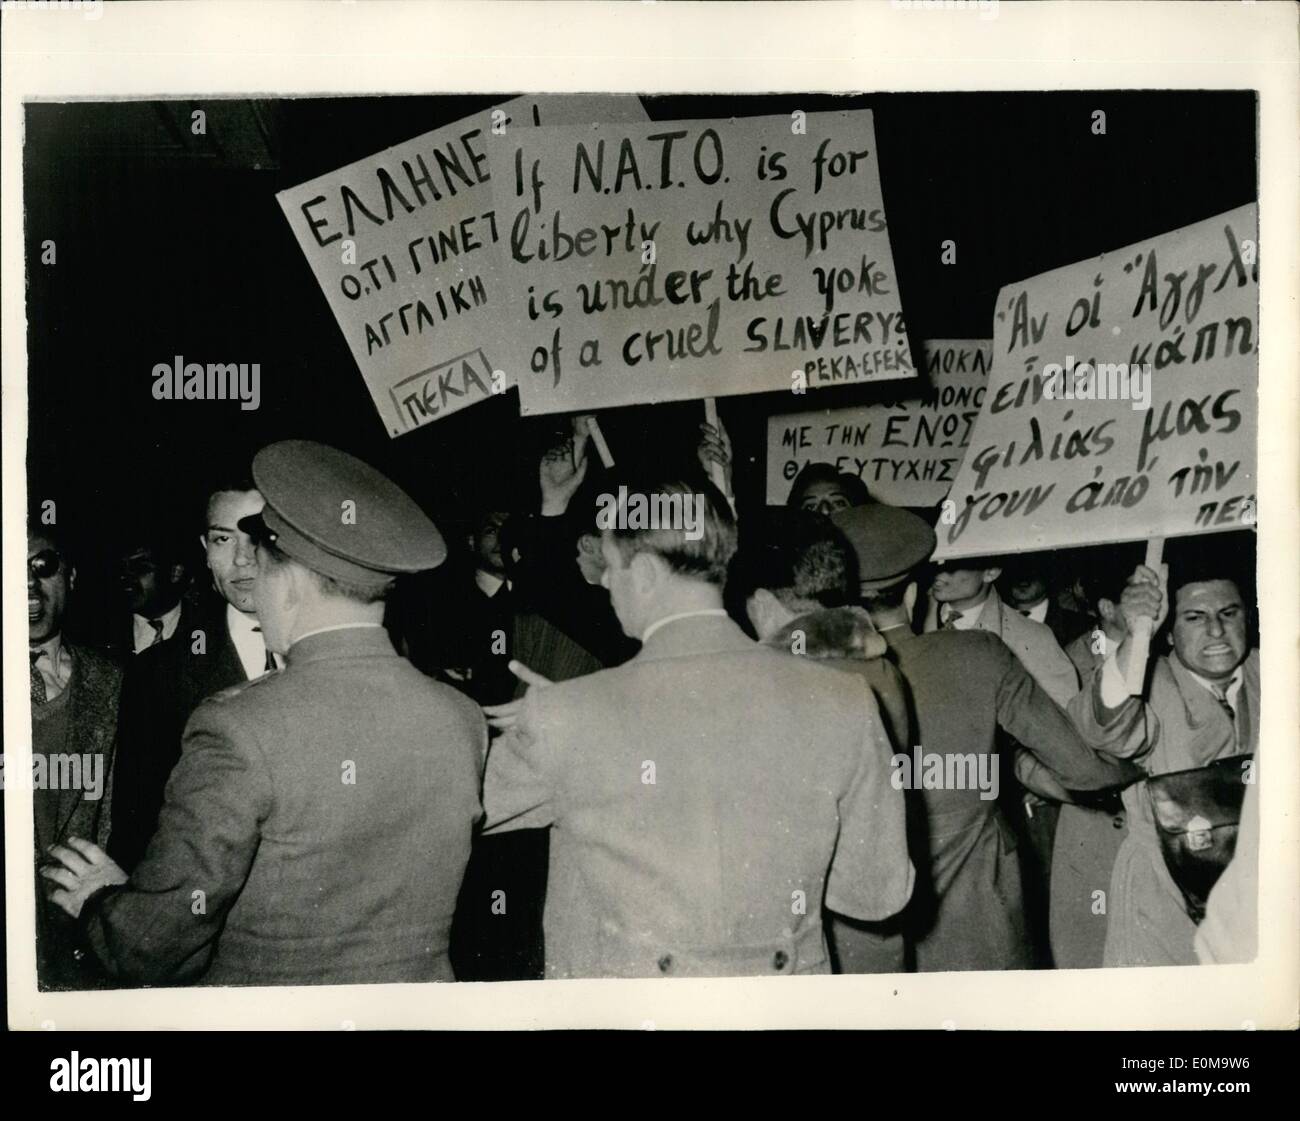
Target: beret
(339, 516)
(889, 542)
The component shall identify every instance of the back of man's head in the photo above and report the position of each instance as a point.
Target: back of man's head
(689, 526)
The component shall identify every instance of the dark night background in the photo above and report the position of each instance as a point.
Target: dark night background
(170, 243)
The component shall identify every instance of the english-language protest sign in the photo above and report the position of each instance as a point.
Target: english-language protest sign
(407, 250)
(906, 449)
(1122, 403)
(699, 258)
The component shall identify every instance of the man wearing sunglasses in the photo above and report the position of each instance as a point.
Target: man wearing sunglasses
(74, 697)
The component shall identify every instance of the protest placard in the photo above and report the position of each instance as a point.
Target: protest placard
(407, 249)
(1122, 400)
(906, 449)
(700, 258)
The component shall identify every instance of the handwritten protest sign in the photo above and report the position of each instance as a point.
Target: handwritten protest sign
(1122, 400)
(406, 248)
(701, 258)
(907, 449)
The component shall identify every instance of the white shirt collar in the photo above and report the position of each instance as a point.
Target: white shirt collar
(1230, 689)
(658, 623)
(963, 620)
(1038, 613)
(246, 636)
(56, 665)
(142, 630)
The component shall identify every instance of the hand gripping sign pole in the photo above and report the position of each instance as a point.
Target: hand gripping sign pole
(1141, 636)
(716, 473)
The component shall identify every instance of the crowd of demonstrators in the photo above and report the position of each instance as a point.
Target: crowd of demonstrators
(780, 741)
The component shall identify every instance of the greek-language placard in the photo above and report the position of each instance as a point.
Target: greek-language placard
(699, 258)
(1122, 400)
(906, 450)
(407, 249)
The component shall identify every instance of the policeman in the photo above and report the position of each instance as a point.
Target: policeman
(317, 826)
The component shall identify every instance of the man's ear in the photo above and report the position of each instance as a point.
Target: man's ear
(991, 574)
(72, 577)
(178, 573)
(589, 543)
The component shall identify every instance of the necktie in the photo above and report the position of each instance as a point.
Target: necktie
(950, 622)
(39, 695)
(1222, 697)
(269, 665)
(157, 625)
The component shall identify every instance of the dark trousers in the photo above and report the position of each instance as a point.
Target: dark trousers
(1037, 833)
(496, 934)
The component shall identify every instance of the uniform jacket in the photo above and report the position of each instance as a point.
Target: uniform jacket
(1178, 727)
(162, 687)
(91, 698)
(323, 812)
(845, 638)
(705, 799)
(965, 686)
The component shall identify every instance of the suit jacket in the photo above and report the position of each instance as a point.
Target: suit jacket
(704, 799)
(122, 642)
(162, 687)
(315, 830)
(965, 686)
(1035, 646)
(1179, 726)
(90, 723)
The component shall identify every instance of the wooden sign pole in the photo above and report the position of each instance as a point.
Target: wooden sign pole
(716, 472)
(598, 438)
(1140, 639)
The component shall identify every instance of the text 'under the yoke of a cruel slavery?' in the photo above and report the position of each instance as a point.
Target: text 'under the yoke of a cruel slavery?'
(688, 259)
